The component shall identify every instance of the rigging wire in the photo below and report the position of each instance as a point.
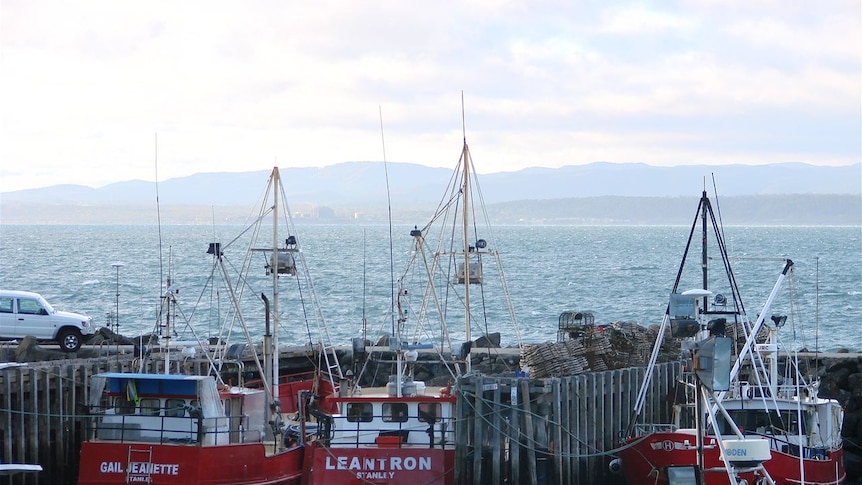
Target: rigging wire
(392, 319)
(215, 302)
(389, 213)
(158, 324)
(475, 185)
(158, 208)
(816, 304)
(304, 310)
(364, 290)
(717, 204)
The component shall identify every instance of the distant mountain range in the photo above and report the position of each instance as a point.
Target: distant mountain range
(597, 192)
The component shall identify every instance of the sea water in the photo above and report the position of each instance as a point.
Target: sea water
(116, 274)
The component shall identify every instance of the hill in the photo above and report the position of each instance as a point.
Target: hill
(788, 193)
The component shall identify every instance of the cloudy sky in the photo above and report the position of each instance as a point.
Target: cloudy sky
(88, 86)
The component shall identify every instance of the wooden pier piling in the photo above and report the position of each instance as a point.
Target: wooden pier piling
(556, 430)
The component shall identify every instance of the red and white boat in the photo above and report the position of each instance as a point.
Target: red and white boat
(405, 432)
(383, 437)
(178, 429)
(756, 421)
(201, 430)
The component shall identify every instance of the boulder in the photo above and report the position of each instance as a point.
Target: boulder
(492, 340)
(28, 350)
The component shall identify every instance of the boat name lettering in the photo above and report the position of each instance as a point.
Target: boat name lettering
(668, 445)
(765, 347)
(365, 465)
(375, 475)
(140, 468)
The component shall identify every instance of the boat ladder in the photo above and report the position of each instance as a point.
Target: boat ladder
(333, 367)
(138, 471)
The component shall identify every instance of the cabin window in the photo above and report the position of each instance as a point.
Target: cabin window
(123, 406)
(395, 412)
(429, 412)
(360, 412)
(5, 304)
(175, 408)
(760, 422)
(150, 406)
(791, 422)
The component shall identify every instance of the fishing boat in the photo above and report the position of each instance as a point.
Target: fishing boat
(404, 432)
(172, 428)
(744, 412)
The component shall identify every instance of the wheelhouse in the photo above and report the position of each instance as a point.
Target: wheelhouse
(381, 421)
(177, 409)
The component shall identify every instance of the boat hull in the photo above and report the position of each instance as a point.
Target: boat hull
(363, 465)
(646, 458)
(105, 463)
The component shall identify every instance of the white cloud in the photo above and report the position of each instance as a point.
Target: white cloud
(230, 86)
(637, 19)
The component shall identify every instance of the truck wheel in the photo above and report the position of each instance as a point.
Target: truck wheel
(69, 340)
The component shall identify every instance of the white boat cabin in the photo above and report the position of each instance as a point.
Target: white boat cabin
(380, 420)
(814, 425)
(178, 409)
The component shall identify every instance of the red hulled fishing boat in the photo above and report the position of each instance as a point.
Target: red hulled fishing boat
(744, 412)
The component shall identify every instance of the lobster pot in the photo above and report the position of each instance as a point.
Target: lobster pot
(572, 324)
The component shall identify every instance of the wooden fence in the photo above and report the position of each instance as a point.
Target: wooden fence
(557, 430)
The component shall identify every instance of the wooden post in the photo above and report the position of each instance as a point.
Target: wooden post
(569, 476)
(496, 436)
(581, 462)
(561, 422)
(529, 437)
(43, 376)
(461, 417)
(30, 415)
(6, 424)
(478, 428)
(515, 436)
(610, 424)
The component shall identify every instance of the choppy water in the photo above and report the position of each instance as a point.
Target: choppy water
(617, 273)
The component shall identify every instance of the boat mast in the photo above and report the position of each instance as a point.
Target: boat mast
(704, 202)
(275, 255)
(703, 210)
(169, 303)
(699, 409)
(465, 190)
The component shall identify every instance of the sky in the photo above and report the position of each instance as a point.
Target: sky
(95, 92)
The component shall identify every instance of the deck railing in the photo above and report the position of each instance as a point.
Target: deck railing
(374, 431)
(165, 429)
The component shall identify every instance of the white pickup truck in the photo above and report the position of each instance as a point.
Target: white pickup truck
(24, 313)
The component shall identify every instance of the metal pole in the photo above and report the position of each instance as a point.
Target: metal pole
(117, 267)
